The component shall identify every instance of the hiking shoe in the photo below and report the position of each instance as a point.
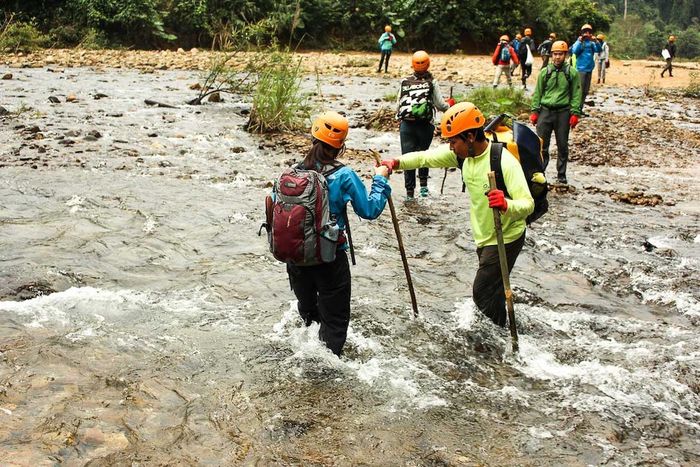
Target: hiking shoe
(410, 196)
(562, 180)
(423, 191)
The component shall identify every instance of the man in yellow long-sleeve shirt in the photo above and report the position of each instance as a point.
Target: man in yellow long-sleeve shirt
(469, 149)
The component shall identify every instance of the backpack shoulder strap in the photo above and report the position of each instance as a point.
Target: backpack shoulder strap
(334, 167)
(495, 160)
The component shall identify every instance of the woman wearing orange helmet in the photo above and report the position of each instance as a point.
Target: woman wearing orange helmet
(469, 149)
(386, 43)
(419, 95)
(323, 290)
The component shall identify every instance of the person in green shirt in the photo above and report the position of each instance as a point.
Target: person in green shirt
(556, 106)
(469, 149)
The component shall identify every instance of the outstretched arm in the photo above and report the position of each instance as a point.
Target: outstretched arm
(366, 205)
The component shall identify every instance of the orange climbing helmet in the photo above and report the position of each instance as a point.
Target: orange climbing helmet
(528, 32)
(387, 28)
(586, 27)
(560, 46)
(461, 117)
(505, 38)
(331, 128)
(672, 38)
(420, 61)
(600, 37)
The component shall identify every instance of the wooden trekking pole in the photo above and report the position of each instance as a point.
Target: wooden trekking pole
(395, 221)
(505, 275)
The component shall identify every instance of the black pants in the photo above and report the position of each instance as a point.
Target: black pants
(415, 136)
(323, 292)
(488, 292)
(526, 71)
(668, 67)
(585, 85)
(558, 122)
(545, 61)
(386, 54)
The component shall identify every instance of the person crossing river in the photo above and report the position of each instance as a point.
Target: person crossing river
(468, 148)
(323, 290)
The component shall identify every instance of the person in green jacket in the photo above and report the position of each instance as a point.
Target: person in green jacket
(469, 149)
(556, 106)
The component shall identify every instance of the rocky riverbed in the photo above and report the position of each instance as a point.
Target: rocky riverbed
(142, 319)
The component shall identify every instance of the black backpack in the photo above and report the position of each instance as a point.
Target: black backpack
(526, 146)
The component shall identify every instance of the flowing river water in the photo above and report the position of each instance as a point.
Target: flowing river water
(143, 322)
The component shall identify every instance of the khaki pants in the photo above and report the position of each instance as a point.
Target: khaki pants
(502, 70)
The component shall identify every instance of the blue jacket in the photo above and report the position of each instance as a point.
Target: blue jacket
(584, 54)
(344, 186)
(387, 41)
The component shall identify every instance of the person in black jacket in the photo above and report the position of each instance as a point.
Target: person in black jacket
(671, 47)
(525, 44)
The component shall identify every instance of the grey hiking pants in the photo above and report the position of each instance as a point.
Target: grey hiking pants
(585, 85)
(557, 121)
(488, 292)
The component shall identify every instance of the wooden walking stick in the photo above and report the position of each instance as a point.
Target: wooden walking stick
(505, 275)
(395, 220)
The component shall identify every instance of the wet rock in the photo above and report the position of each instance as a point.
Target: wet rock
(54, 100)
(71, 98)
(151, 102)
(194, 50)
(7, 76)
(31, 290)
(238, 149)
(195, 86)
(3, 111)
(72, 133)
(99, 96)
(215, 97)
(180, 50)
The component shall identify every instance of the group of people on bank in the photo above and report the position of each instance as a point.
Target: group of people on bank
(323, 286)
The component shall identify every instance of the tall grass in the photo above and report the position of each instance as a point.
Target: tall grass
(494, 102)
(693, 89)
(278, 103)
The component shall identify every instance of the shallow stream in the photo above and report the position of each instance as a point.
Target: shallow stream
(142, 320)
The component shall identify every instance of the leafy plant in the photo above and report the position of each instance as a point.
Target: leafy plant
(693, 89)
(278, 103)
(494, 102)
(18, 36)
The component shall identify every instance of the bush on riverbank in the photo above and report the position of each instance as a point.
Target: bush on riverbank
(278, 103)
(20, 37)
(494, 102)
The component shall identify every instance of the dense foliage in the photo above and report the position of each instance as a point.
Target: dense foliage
(437, 25)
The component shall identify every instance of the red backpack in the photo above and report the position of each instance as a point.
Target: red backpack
(300, 228)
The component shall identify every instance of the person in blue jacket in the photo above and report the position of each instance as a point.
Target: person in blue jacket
(584, 49)
(386, 43)
(323, 290)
